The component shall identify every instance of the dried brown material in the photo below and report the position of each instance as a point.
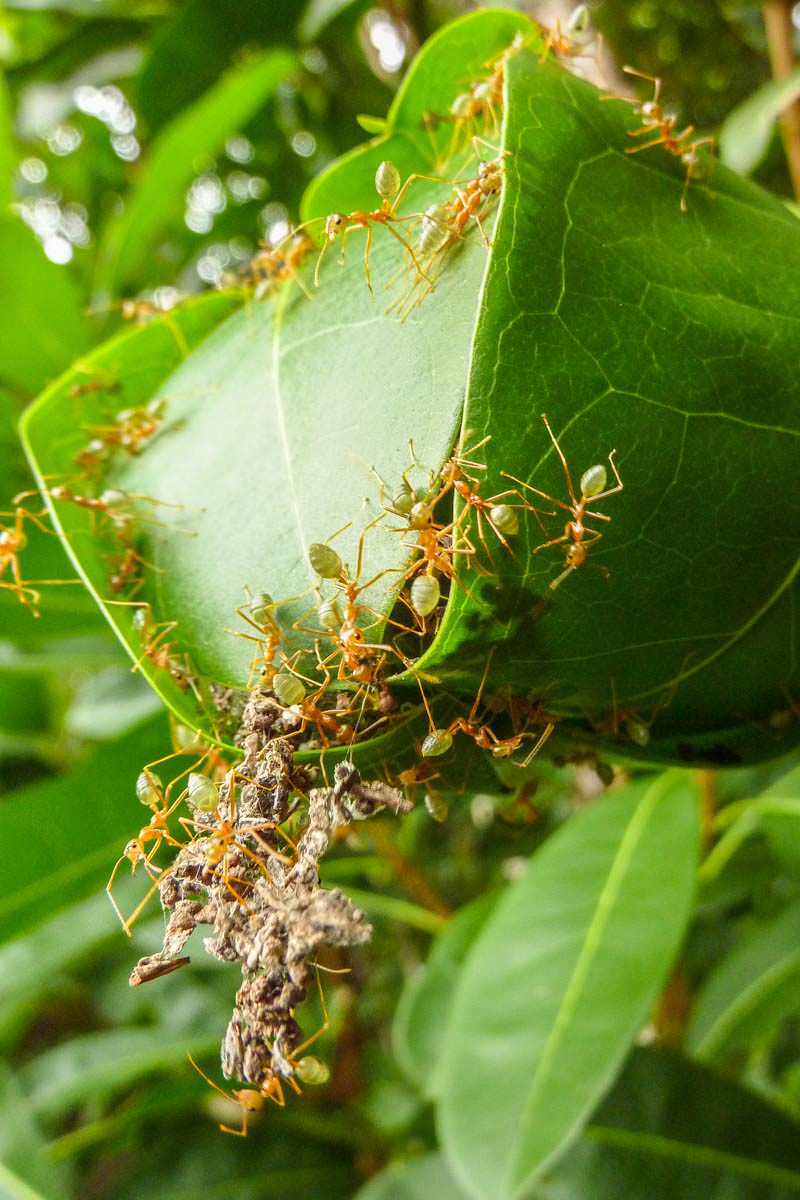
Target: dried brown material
(152, 966)
(267, 911)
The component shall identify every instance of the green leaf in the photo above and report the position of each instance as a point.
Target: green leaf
(421, 1013)
(747, 131)
(778, 806)
(658, 337)
(319, 14)
(751, 990)
(176, 156)
(32, 965)
(95, 1065)
(7, 153)
(25, 1173)
(64, 835)
(673, 1129)
(42, 317)
(416, 1179)
(560, 980)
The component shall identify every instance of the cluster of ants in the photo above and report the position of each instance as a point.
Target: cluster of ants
(246, 863)
(439, 228)
(241, 864)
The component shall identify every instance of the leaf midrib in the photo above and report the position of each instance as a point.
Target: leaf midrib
(573, 993)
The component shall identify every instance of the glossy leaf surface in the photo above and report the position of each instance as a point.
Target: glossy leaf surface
(560, 980)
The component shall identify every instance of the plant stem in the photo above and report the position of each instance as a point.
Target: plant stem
(406, 872)
(778, 26)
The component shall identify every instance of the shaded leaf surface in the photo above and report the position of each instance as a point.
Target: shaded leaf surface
(671, 1128)
(64, 835)
(559, 981)
(417, 1179)
(751, 990)
(424, 1006)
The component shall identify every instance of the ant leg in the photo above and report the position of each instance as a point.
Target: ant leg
(659, 141)
(560, 454)
(477, 701)
(325, 245)
(410, 251)
(225, 1128)
(543, 737)
(367, 248)
(109, 890)
(553, 542)
(324, 1027)
(151, 891)
(537, 492)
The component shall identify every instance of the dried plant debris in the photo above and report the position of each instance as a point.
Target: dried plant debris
(261, 894)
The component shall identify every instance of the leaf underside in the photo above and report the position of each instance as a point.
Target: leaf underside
(667, 337)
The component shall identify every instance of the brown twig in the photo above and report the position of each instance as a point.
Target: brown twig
(779, 30)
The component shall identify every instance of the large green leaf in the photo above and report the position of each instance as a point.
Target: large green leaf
(632, 324)
(560, 980)
(751, 990)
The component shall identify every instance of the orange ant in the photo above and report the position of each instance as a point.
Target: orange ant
(392, 194)
(662, 126)
(132, 428)
(358, 659)
(151, 793)
(439, 741)
(98, 383)
(578, 536)
(444, 225)
(576, 34)
(291, 693)
(224, 845)
(260, 613)
(125, 571)
(160, 653)
(273, 265)
(113, 504)
(501, 518)
(252, 1100)
(12, 542)
(481, 100)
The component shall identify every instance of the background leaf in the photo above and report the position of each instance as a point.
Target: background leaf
(751, 990)
(198, 131)
(560, 980)
(43, 319)
(417, 1179)
(67, 833)
(671, 1128)
(747, 131)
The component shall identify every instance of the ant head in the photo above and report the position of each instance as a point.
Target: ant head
(421, 515)
(334, 224)
(249, 1099)
(133, 851)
